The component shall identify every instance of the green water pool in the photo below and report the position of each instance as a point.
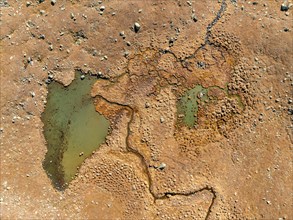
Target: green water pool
(187, 106)
(72, 128)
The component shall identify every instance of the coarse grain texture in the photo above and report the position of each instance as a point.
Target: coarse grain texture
(234, 163)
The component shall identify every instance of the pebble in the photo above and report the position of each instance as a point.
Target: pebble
(147, 105)
(72, 16)
(128, 43)
(28, 4)
(82, 77)
(42, 36)
(50, 47)
(126, 54)
(121, 33)
(53, 2)
(32, 94)
(284, 7)
(194, 18)
(102, 8)
(162, 166)
(136, 27)
(81, 153)
(48, 81)
(162, 120)
(42, 12)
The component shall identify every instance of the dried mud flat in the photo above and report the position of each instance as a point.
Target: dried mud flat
(236, 163)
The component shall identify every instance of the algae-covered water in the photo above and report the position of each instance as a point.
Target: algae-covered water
(188, 104)
(72, 128)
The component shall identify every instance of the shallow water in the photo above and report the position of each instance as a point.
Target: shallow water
(188, 104)
(72, 128)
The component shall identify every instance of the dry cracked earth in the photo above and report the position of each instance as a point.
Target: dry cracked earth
(235, 163)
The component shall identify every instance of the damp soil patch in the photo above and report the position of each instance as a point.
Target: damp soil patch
(72, 128)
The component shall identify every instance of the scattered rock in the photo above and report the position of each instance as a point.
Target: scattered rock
(147, 105)
(53, 2)
(162, 166)
(51, 47)
(136, 27)
(82, 77)
(126, 54)
(42, 12)
(162, 120)
(284, 7)
(48, 81)
(33, 94)
(81, 153)
(42, 36)
(194, 18)
(102, 8)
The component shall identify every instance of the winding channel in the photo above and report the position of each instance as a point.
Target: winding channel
(131, 109)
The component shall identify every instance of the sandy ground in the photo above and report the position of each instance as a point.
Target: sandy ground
(235, 164)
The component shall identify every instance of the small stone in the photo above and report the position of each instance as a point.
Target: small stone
(121, 33)
(136, 27)
(194, 18)
(33, 94)
(147, 105)
(81, 153)
(27, 175)
(140, 10)
(102, 8)
(53, 2)
(189, 3)
(162, 120)
(284, 7)
(126, 54)
(82, 77)
(162, 166)
(128, 43)
(28, 4)
(42, 12)
(50, 47)
(42, 36)
(40, 1)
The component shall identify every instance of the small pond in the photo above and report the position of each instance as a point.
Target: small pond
(187, 106)
(72, 128)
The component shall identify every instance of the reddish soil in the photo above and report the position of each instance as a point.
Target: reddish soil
(236, 163)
